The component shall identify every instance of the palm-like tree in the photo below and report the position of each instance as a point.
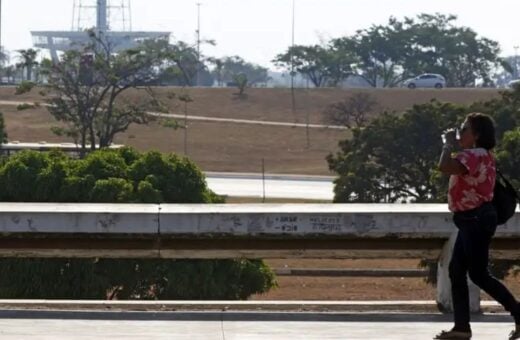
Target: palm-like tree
(27, 61)
(9, 72)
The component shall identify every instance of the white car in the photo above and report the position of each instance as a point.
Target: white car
(426, 80)
(513, 83)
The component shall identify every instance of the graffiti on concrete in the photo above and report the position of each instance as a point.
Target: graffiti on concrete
(286, 223)
(108, 221)
(326, 223)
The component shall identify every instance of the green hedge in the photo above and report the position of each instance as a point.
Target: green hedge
(121, 176)
(3, 134)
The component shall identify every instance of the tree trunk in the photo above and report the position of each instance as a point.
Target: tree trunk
(83, 143)
(92, 139)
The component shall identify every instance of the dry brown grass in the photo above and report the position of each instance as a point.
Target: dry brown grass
(356, 288)
(347, 288)
(236, 147)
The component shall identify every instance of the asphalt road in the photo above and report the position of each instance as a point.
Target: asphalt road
(276, 186)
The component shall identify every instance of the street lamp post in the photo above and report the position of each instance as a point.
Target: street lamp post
(1, 61)
(198, 44)
(293, 99)
(292, 45)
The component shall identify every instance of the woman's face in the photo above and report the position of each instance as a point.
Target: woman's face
(468, 138)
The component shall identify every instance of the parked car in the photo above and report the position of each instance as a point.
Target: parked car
(513, 83)
(426, 80)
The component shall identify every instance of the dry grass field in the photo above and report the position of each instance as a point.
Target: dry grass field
(240, 148)
(217, 146)
(356, 288)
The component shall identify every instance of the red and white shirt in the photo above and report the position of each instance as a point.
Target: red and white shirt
(476, 187)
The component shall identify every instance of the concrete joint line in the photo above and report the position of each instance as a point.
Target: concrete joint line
(158, 240)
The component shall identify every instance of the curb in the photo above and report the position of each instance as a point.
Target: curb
(428, 306)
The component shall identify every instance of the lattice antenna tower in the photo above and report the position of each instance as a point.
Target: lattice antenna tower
(115, 15)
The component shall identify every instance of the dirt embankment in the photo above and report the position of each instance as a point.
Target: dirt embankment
(235, 147)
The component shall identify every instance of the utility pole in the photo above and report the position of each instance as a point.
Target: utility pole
(1, 49)
(198, 44)
(293, 97)
(186, 128)
(263, 180)
(292, 46)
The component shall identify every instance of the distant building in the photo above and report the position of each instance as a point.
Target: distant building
(60, 41)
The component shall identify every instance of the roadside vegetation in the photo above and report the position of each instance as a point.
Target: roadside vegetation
(393, 159)
(119, 176)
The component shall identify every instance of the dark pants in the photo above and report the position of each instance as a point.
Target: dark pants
(471, 255)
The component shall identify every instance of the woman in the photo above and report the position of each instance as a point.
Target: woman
(470, 193)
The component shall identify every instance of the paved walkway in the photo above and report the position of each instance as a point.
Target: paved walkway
(217, 119)
(55, 325)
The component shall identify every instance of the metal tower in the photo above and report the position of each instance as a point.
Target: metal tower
(112, 17)
(104, 15)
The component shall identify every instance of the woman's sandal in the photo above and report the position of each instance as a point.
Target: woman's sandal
(453, 335)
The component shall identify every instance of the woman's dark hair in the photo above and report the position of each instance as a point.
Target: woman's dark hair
(483, 126)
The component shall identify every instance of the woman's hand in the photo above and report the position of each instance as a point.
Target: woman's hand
(450, 137)
(447, 164)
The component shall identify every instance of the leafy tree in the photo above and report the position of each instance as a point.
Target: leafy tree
(4, 57)
(227, 69)
(385, 55)
(394, 157)
(507, 155)
(241, 81)
(4, 60)
(118, 176)
(184, 65)
(3, 133)
(505, 110)
(380, 52)
(218, 71)
(322, 65)
(9, 72)
(85, 88)
(28, 61)
(458, 53)
(509, 71)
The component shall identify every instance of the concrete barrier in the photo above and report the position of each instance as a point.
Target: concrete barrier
(239, 231)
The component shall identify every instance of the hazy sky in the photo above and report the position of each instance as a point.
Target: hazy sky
(259, 29)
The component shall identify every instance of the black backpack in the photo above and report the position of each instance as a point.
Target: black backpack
(505, 198)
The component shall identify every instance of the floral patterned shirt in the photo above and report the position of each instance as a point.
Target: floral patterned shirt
(476, 187)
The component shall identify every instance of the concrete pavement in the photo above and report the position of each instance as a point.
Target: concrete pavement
(60, 325)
